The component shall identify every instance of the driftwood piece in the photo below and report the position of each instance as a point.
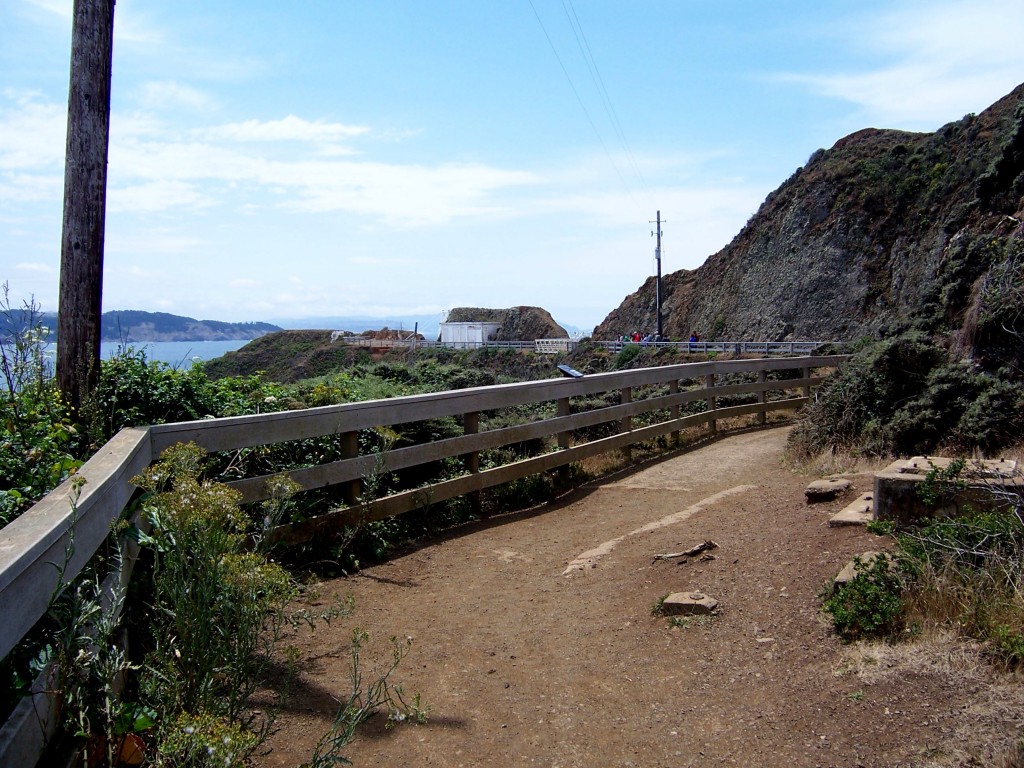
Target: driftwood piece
(695, 550)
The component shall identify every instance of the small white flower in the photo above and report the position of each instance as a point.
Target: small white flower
(269, 399)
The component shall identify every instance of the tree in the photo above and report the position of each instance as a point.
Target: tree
(85, 197)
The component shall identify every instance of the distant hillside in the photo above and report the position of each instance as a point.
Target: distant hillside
(424, 324)
(884, 231)
(135, 326)
(287, 356)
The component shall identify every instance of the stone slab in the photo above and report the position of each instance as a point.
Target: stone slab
(688, 604)
(984, 468)
(861, 512)
(827, 489)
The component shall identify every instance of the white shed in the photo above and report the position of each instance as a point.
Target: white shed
(470, 334)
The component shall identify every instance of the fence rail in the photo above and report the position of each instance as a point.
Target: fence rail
(554, 346)
(71, 524)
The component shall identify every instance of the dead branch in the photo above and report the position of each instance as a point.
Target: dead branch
(695, 550)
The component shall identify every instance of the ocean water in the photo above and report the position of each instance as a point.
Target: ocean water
(177, 354)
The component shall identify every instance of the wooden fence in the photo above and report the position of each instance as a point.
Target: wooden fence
(70, 525)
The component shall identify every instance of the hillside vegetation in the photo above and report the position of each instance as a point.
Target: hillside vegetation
(884, 232)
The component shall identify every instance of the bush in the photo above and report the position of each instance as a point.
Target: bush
(39, 444)
(965, 572)
(904, 396)
(211, 601)
(626, 356)
(132, 391)
(871, 604)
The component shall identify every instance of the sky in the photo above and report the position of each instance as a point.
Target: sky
(402, 157)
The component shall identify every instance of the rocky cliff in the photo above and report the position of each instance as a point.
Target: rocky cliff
(517, 323)
(884, 230)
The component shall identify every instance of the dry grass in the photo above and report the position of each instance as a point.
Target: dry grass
(841, 462)
(996, 714)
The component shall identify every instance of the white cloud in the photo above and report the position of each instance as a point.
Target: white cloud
(155, 242)
(151, 175)
(32, 133)
(129, 26)
(156, 196)
(290, 128)
(46, 269)
(60, 8)
(410, 195)
(170, 95)
(133, 25)
(30, 188)
(943, 60)
(134, 270)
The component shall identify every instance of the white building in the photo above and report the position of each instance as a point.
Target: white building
(468, 334)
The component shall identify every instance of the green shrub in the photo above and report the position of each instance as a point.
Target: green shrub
(904, 396)
(626, 356)
(211, 601)
(870, 605)
(133, 391)
(39, 444)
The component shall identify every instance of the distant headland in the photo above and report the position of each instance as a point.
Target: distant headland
(133, 326)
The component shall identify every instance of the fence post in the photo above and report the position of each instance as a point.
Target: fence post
(762, 398)
(349, 450)
(564, 439)
(626, 424)
(470, 426)
(807, 375)
(562, 406)
(673, 411)
(709, 383)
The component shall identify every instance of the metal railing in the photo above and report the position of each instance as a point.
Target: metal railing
(553, 346)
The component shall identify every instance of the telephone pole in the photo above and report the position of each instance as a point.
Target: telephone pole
(657, 283)
(80, 303)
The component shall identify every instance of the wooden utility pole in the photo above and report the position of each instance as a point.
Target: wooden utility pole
(85, 197)
(657, 282)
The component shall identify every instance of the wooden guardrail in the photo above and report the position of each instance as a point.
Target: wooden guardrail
(70, 524)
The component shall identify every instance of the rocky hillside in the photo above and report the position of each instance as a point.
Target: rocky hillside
(517, 323)
(885, 230)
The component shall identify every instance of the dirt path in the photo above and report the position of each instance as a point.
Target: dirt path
(535, 644)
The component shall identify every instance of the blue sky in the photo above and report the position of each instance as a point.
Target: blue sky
(398, 157)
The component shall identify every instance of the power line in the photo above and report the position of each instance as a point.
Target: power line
(595, 76)
(579, 100)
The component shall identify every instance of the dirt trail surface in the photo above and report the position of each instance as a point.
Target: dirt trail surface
(535, 643)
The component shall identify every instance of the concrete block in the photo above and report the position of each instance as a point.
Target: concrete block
(688, 604)
(897, 497)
